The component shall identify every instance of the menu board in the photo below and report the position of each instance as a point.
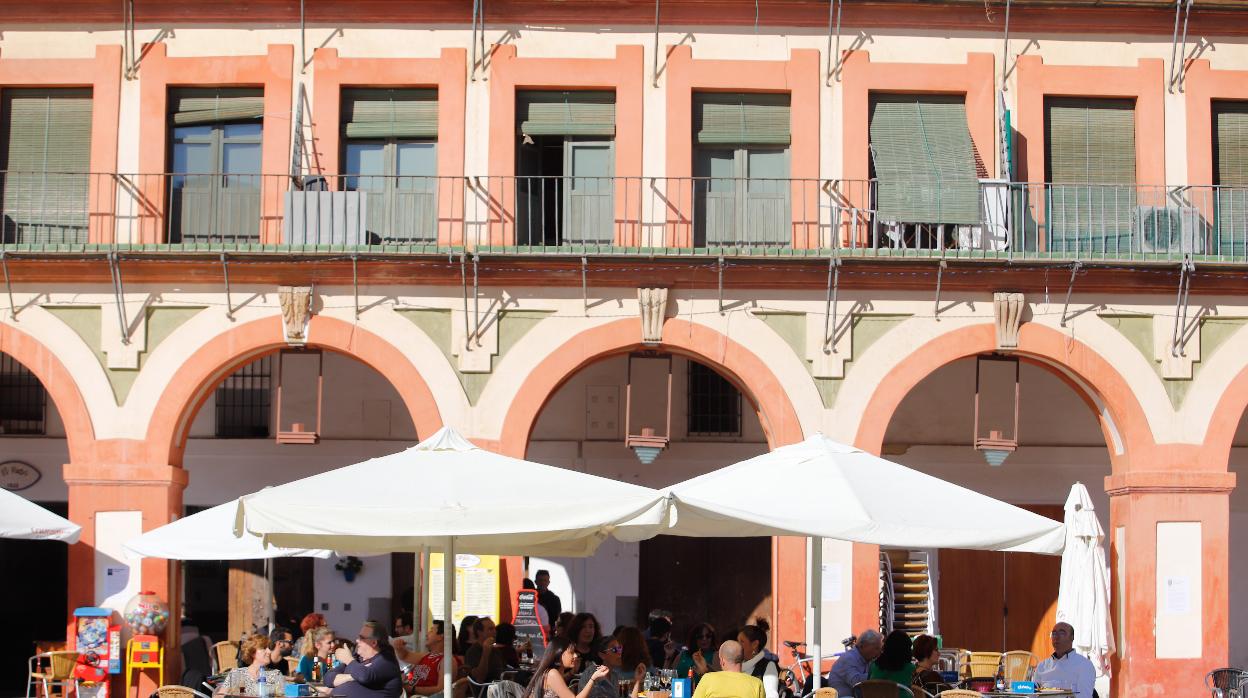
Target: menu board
(528, 621)
(476, 587)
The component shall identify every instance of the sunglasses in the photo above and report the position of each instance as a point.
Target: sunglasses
(615, 650)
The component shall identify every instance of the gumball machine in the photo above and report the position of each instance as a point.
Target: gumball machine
(98, 643)
(147, 615)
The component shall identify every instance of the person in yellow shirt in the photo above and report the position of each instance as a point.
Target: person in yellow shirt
(730, 682)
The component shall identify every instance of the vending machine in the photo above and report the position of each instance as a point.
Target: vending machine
(98, 643)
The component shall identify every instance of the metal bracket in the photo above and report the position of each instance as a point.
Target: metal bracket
(463, 280)
(1070, 286)
(1005, 48)
(655, 79)
(940, 273)
(129, 54)
(476, 301)
(829, 310)
(1178, 341)
(119, 293)
(1178, 45)
(4, 262)
(355, 282)
(225, 271)
(834, 53)
(584, 286)
(478, 39)
(720, 269)
(303, 40)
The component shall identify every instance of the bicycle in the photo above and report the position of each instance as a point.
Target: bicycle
(797, 678)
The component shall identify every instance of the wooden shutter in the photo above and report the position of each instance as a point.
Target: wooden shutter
(190, 106)
(47, 157)
(1230, 143)
(1091, 167)
(383, 113)
(735, 118)
(924, 159)
(568, 113)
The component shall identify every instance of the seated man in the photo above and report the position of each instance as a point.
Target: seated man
(375, 675)
(854, 665)
(730, 682)
(1065, 668)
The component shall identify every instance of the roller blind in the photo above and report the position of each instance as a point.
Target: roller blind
(1230, 143)
(191, 106)
(1091, 166)
(924, 159)
(735, 118)
(565, 113)
(47, 155)
(390, 113)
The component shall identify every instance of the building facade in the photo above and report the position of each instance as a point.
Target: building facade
(229, 226)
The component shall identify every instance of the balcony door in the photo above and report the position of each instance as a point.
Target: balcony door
(1230, 152)
(215, 182)
(741, 183)
(46, 158)
(391, 154)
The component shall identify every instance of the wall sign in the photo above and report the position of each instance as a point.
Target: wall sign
(16, 475)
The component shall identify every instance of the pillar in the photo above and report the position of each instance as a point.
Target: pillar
(113, 502)
(1168, 543)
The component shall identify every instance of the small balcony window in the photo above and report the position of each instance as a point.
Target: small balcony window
(243, 402)
(714, 403)
(23, 400)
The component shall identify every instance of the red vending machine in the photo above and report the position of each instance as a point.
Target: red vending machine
(98, 643)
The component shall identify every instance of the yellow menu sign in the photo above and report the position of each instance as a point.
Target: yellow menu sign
(476, 587)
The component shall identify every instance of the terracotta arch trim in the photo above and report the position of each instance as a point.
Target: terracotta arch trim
(60, 386)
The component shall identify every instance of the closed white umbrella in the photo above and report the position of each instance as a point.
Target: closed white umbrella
(23, 519)
(209, 535)
(1083, 593)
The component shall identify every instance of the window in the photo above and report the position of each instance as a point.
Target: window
(923, 161)
(44, 164)
(243, 402)
(215, 165)
(22, 399)
(741, 181)
(565, 167)
(1090, 163)
(390, 138)
(1230, 172)
(714, 403)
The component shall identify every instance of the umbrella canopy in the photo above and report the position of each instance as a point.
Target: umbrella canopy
(209, 535)
(1083, 593)
(21, 518)
(445, 487)
(845, 493)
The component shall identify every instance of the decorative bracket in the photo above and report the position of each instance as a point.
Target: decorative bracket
(296, 313)
(652, 304)
(1007, 312)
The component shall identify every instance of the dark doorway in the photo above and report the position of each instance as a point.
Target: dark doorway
(723, 581)
(38, 598)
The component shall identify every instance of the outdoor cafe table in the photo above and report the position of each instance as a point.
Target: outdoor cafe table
(1050, 694)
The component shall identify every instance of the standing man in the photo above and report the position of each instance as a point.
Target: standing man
(545, 597)
(731, 683)
(375, 675)
(1066, 668)
(854, 664)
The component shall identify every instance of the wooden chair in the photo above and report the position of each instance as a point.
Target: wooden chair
(1016, 665)
(178, 692)
(984, 664)
(881, 688)
(226, 655)
(826, 692)
(292, 665)
(959, 693)
(58, 671)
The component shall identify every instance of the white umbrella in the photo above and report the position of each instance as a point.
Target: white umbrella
(209, 535)
(1083, 593)
(23, 519)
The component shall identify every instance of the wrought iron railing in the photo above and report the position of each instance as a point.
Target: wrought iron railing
(653, 216)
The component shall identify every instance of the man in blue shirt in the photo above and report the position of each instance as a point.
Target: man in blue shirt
(374, 675)
(854, 664)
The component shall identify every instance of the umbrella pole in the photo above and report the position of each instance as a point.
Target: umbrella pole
(816, 610)
(448, 590)
(268, 594)
(418, 608)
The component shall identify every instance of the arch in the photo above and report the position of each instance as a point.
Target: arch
(1224, 421)
(741, 366)
(1093, 378)
(202, 371)
(60, 386)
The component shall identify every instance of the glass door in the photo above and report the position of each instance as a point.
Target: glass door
(215, 183)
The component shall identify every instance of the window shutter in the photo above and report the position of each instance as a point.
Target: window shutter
(554, 113)
(736, 118)
(1230, 134)
(924, 159)
(192, 106)
(1091, 164)
(384, 113)
(47, 157)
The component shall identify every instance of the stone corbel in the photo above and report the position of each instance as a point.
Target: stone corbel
(1007, 312)
(296, 313)
(652, 304)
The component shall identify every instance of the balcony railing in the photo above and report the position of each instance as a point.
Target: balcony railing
(653, 216)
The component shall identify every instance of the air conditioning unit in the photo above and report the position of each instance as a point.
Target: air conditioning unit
(325, 218)
(1177, 229)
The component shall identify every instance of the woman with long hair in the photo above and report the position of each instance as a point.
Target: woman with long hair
(467, 636)
(894, 662)
(633, 652)
(318, 646)
(753, 639)
(586, 634)
(699, 655)
(550, 679)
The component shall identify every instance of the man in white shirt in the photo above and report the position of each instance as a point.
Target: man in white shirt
(1065, 668)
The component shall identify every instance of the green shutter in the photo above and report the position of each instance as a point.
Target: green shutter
(736, 118)
(47, 157)
(924, 159)
(1091, 200)
(383, 113)
(190, 106)
(1230, 142)
(555, 113)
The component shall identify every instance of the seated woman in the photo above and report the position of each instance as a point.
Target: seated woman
(255, 654)
(894, 662)
(700, 655)
(586, 634)
(753, 639)
(612, 653)
(318, 648)
(634, 656)
(550, 679)
(505, 639)
(926, 661)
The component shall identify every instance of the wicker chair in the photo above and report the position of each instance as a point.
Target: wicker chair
(826, 692)
(59, 671)
(178, 692)
(880, 688)
(1226, 682)
(984, 664)
(1017, 665)
(226, 655)
(959, 693)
